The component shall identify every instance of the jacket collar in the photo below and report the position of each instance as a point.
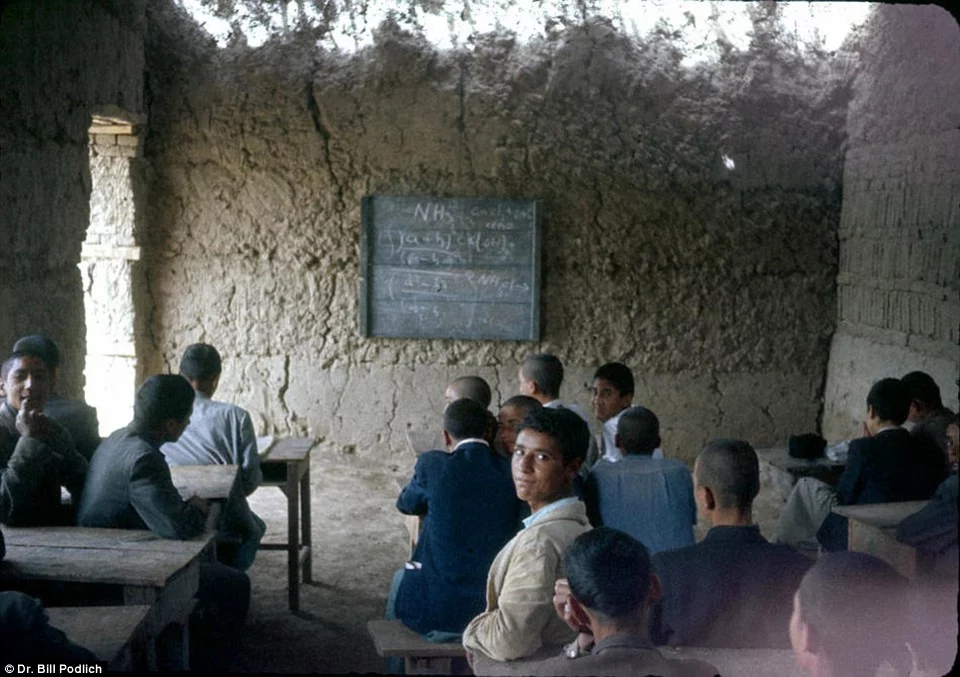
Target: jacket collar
(726, 534)
(620, 641)
(569, 508)
(8, 414)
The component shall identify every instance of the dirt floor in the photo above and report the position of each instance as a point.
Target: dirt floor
(359, 540)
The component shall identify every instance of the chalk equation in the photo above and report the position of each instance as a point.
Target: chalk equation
(395, 284)
(444, 248)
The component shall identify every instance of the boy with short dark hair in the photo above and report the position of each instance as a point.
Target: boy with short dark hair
(649, 498)
(881, 467)
(470, 511)
(37, 455)
(849, 617)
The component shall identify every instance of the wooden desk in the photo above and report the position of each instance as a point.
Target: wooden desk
(206, 481)
(119, 635)
(742, 662)
(138, 566)
(780, 471)
(872, 529)
(286, 464)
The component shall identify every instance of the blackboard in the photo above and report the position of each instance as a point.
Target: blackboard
(450, 268)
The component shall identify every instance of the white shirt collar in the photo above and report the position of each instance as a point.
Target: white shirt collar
(547, 509)
(471, 440)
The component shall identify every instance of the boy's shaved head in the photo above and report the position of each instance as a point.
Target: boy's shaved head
(470, 388)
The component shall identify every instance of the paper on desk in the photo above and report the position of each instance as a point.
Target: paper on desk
(264, 444)
(838, 452)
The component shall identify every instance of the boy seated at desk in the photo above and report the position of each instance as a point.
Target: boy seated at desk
(37, 455)
(647, 497)
(129, 487)
(884, 466)
(78, 417)
(519, 618)
(477, 389)
(606, 600)
(221, 434)
(470, 511)
(849, 618)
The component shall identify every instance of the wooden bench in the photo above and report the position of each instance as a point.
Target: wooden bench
(872, 529)
(286, 464)
(420, 657)
(741, 662)
(119, 635)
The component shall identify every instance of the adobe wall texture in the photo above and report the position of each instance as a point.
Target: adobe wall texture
(717, 287)
(899, 279)
(59, 61)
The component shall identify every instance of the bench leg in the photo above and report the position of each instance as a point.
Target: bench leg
(305, 527)
(173, 647)
(427, 666)
(293, 537)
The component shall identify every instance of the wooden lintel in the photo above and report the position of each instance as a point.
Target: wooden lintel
(98, 128)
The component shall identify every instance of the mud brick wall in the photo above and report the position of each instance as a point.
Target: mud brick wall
(716, 286)
(59, 61)
(898, 286)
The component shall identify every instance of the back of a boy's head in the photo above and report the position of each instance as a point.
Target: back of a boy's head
(472, 388)
(890, 399)
(201, 362)
(465, 418)
(923, 389)
(639, 430)
(854, 606)
(608, 572)
(732, 470)
(546, 370)
(162, 397)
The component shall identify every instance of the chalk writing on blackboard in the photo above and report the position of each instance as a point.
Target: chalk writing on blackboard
(450, 268)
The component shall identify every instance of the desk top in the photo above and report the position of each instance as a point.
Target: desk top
(780, 457)
(882, 515)
(88, 555)
(205, 481)
(93, 537)
(109, 566)
(286, 449)
(741, 662)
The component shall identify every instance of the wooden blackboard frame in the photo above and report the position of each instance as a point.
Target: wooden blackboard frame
(528, 267)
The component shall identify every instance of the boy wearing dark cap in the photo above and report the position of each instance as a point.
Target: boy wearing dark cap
(79, 418)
